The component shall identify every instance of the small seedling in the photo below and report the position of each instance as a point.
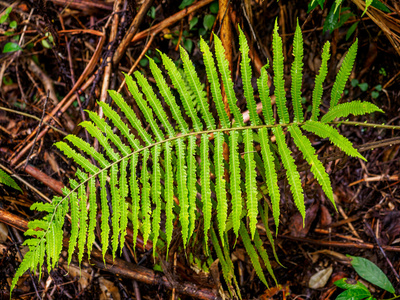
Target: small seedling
(369, 272)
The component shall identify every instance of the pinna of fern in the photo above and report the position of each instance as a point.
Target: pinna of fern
(169, 152)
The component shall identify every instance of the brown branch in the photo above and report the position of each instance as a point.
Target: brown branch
(133, 29)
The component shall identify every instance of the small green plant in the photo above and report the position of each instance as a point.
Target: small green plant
(7, 180)
(369, 272)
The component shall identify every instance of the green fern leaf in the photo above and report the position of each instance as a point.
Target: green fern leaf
(146, 205)
(155, 103)
(105, 213)
(135, 199)
(191, 182)
(291, 171)
(235, 179)
(110, 135)
(337, 4)
(181, 178)
(96, 133)
(205, 186)
(296, 72)
(78, 158)
(7, 180)
(367, 4)
(148, 114)
(116, 209)
(92, 215)
(278, 78)
(316, 166)
(83, 214)
(23, 267)
(80, 144)
(246, 71)
(264, 218)
(165, 91)
(178, 83)
(343, 75)
(117, 121)
(270, 175)
(213, 79)
(252, 253)
(355, 108)
(124, 191)
(251, 187)
(220, 185)
(195, 85)
(264, 255)
(263, 89)
(326, 131)
(73, 200)
(223, 67)
(319, 80)
(131, 116)
(155, 194)
(169, 194)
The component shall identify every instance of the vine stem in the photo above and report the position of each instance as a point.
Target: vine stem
(171, 139)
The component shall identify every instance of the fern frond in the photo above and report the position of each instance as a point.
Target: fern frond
(367, 4)
(316, 166)
(124, 191)
(195, 85)
(146, 205)
(178, 83)
(110, 135)
(223, 67)
(326, 131)
(296, 72)
(263, 89)
(337, 4)
(155, 103)
(264, 255)
(8, 180)
(92, 215)
(131, 116)
(165, 91)
(83, 214)
(116, 209)
(205, 186)
(155, 194)
(220, 185)
(270, 175)
(319, 80)
(343, 75)
(148, 114)
(96, 133)
(252, 253)
(168, 195)
(135, 199)
(73, 200)
(246, 71)
(78, 158)
(181, 178)
(105, 213)
(212, 76)
(191, 182)
(251, 188)
(278, 76)
(355, 108)
(291, 171)
(116, 119)
(235, 178)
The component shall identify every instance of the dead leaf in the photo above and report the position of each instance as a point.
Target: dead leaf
(296, 225)
(319, 279)
(109, 290)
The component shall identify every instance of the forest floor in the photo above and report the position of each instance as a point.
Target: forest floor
(55, 60)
